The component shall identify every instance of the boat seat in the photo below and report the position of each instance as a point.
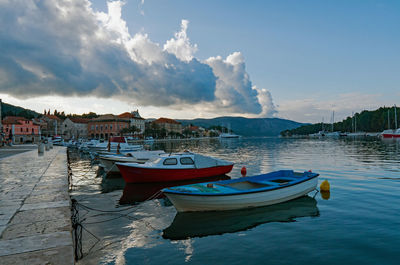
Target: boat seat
(246, 185)
(274, 182)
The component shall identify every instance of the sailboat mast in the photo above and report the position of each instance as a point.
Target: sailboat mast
(395, 117)
(333, 119)
(355, 123)
(352, 122)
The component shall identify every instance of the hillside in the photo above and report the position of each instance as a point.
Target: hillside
(247, 126)
(11, 110)
(365, 121)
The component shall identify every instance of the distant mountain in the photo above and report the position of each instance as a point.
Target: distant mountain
(11, 110)
(247, 126)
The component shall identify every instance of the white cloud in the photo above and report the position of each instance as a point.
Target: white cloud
(180, 46)
(65, 48)
(234, 90)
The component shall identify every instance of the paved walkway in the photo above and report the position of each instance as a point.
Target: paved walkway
(6, 151)
(35, 215)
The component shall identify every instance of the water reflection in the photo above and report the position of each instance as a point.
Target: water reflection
(200, 224)
(112, 184)
(139, 192)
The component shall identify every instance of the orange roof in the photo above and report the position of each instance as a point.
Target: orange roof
(13, 120)
(129, 115)
(79, 120)
(166, 120)
(126, 115)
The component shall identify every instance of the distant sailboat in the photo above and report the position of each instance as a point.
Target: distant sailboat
(332, 133)
(392, 133)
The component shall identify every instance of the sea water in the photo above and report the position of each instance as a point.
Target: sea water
(358, 222)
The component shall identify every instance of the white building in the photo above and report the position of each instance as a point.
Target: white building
(135, 120)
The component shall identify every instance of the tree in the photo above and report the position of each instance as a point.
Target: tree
(89, 115)
(129, 130)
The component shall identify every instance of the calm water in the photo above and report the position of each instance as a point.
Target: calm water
(358, 224)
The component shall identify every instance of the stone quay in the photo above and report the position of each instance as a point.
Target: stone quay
(35, 207)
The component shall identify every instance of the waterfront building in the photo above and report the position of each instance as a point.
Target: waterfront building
(106, 126)
(170, 125)
(52, 127)
(74, 128)
(135, 120)
(20, 130)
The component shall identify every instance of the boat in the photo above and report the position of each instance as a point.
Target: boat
(200, 224)
(245, 192)
(392, 133)
(107, 161)
(57, 140)
(116, 143)
(228, 135)
(174, 167)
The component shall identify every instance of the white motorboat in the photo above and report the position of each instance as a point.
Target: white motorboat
(108, 161)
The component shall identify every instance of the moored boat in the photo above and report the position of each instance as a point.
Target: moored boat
(108, 161)
(228, 135)
(391, 133)
(246, 192)
(174, 167)
(116, 143)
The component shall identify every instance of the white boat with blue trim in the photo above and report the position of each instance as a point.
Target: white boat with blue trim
(246, 192)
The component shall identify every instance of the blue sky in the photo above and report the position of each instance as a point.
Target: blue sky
(310, 57)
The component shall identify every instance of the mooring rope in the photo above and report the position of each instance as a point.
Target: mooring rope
(78, 227)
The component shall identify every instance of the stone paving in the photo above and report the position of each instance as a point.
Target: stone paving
(35, 215)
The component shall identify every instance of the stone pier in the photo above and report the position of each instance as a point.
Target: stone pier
(35, 214)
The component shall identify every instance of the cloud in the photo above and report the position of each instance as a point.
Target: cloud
(66, 48)
(234, 90)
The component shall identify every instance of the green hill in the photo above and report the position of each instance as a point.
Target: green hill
(11, 110)
(365, 121)
(247, 126)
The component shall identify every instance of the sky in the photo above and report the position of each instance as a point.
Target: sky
(297, 60)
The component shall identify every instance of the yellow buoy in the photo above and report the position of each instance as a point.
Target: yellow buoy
(325, 195)
(325, 186)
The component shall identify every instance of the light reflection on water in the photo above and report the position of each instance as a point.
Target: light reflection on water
(358, 224)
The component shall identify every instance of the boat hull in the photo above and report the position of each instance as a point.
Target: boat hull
(390, 135)
(140, 175)
(191, 203)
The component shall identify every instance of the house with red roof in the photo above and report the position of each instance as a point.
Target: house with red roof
(52, 127)
(106, 126)
(135, 120)
(20, 130)
(170, 125)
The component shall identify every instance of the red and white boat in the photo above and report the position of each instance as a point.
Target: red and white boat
(174, 167)
(391, 133)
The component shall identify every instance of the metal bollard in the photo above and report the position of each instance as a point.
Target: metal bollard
(51, 145)
(47, 146)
